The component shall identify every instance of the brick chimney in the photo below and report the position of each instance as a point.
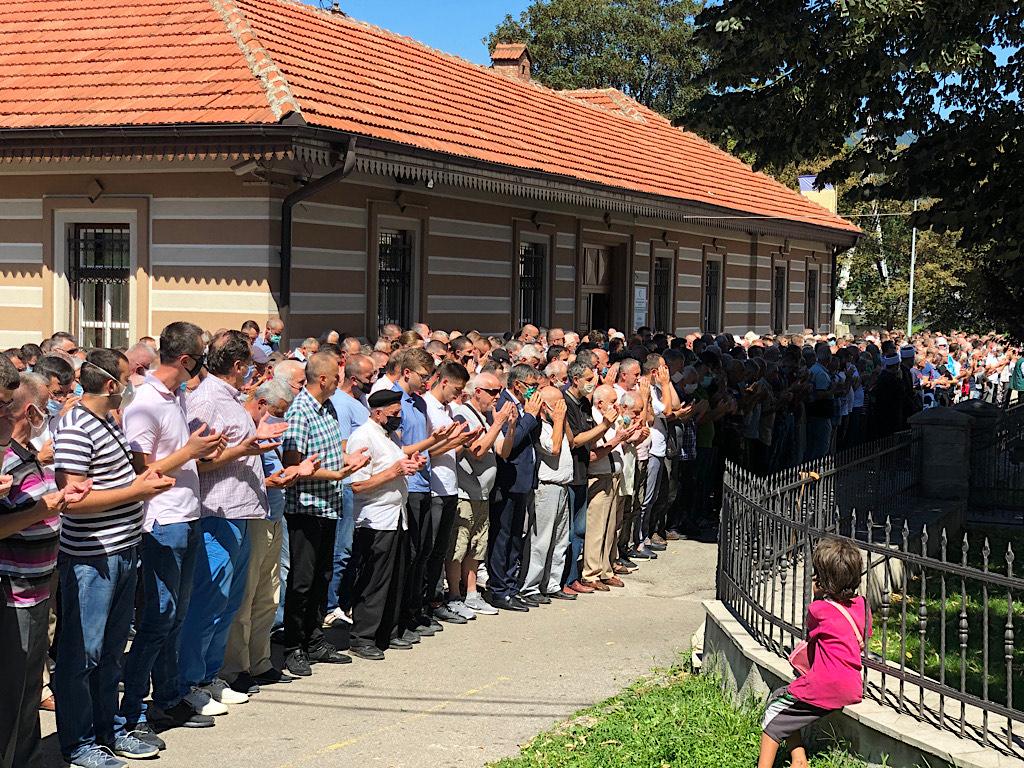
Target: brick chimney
(512, 60)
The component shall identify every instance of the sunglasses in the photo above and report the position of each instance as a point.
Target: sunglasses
(494, 391)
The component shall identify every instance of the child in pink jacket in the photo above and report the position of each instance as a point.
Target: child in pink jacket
(836, 623)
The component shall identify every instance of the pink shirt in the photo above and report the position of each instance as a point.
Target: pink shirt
(155, 425)
(834, 679)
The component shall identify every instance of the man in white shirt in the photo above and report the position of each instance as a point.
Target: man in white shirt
(450, 380)
(379, 492)
(477, 470)
(158, 433)
(663, 401)
(547, 529)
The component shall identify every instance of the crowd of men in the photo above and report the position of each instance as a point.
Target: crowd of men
(194, 498)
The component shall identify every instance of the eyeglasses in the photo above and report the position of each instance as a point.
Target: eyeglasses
(489, 391)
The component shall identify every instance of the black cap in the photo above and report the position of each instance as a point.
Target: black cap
(384, 397)
(500, 355)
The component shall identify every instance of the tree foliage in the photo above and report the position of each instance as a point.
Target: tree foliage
(795, 79)
(644, 48)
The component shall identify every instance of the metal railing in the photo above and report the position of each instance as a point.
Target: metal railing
(997, 477)
(945, 614)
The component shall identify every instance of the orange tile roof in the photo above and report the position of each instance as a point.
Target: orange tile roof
(149, 62)
(505, 51)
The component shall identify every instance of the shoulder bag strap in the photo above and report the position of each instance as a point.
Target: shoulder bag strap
(849, 618)
(113, 434)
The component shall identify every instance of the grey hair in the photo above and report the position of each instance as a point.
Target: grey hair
(627, 400)
(32, 387)
(521, 372)
(286, 368)
(554, 367)
(274, 391)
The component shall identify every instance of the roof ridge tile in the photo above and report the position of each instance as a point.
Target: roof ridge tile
(281, 100)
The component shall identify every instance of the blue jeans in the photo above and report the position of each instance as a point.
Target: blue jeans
(577, 531)
(340, 583)
(168, 562)
(218, 586)
(286, 562)
(97, 595)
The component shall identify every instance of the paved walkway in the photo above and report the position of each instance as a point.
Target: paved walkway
(467, 696)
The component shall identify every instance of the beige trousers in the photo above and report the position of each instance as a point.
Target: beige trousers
(604, 510)
(249, 637)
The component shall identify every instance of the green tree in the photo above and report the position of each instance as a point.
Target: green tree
(928, 89)
(644, 48)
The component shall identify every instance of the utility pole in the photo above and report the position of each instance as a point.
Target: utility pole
(913, 268)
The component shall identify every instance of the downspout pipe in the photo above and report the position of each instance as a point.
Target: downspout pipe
(288, 206)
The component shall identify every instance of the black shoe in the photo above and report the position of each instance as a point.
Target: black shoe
(509, 604)
(325, 653)
(368, 652)
(411, 637)
(517, 601)
(298, 664)
(541, 599)
(655, 546)
(144, 732)
(444, 613)
(627, 563)
(181, 715)
(245, 684)
(529, 601)
(638, 554)
(398, 644)
(272, 677)
(560, 596)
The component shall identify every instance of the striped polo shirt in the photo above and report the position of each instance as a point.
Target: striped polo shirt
(28, 557)
(97, 448)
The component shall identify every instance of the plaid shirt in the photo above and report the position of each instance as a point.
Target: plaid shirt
(313, 428)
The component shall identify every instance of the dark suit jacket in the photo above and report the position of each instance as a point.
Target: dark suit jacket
(518, 473)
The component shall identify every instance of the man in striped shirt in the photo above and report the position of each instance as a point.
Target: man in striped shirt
(29, 519)
(99, 542)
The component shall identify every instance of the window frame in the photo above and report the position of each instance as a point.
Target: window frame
(779, 318)
(542, 303)
(719, 257)
(812, 309)
(409, 287)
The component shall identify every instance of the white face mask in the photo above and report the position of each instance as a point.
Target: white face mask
(690, 388)
(677, 377)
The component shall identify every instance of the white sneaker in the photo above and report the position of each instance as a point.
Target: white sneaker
(203, 704)
(459, 607)
(224, 693)
(477, 604)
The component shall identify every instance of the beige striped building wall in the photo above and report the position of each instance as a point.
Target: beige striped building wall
(205, 247)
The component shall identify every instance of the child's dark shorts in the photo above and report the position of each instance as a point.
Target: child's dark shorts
(785, 715)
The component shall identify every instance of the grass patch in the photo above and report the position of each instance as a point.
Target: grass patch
(672, 718)
(975, 676)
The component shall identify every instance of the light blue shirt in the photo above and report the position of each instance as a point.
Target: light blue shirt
(352, 413)
(275, 496)
(415, 429)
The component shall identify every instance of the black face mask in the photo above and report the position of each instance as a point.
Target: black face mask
(364, 387)
(200, 361)
(392, 424)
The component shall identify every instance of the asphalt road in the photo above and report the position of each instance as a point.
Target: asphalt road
(467, 696)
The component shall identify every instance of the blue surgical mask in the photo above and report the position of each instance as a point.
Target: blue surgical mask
(706, 381)
(53, 409)
(78, 390)
(626, 421)
(275, 338)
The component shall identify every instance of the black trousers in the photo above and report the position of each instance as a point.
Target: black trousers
(378, 566)
(311, 553)
(23, 644)
(443, 514)
(505, 541)
(417, 549)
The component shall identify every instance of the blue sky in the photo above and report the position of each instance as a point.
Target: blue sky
(454, 26)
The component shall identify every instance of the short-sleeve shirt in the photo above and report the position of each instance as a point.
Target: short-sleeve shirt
(155, 425)
(611, 462)
(28, 557)
(313, 428)
(384, 507)
(415, 429)
(476, 476)
(352, 413)
(444, 480)
(580, 420)
(97, 449)
(236, 490)
(551, 468)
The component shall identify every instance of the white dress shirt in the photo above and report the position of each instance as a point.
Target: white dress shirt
(383, 507)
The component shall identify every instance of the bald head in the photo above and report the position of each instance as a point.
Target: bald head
(605, 395)
(550, 395)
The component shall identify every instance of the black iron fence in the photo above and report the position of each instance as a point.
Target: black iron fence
(944, 641)
(997, 465)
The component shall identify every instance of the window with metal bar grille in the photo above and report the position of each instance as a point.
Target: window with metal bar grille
(394, 277)
(712, 297)
(532, 266)
(100, 260)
